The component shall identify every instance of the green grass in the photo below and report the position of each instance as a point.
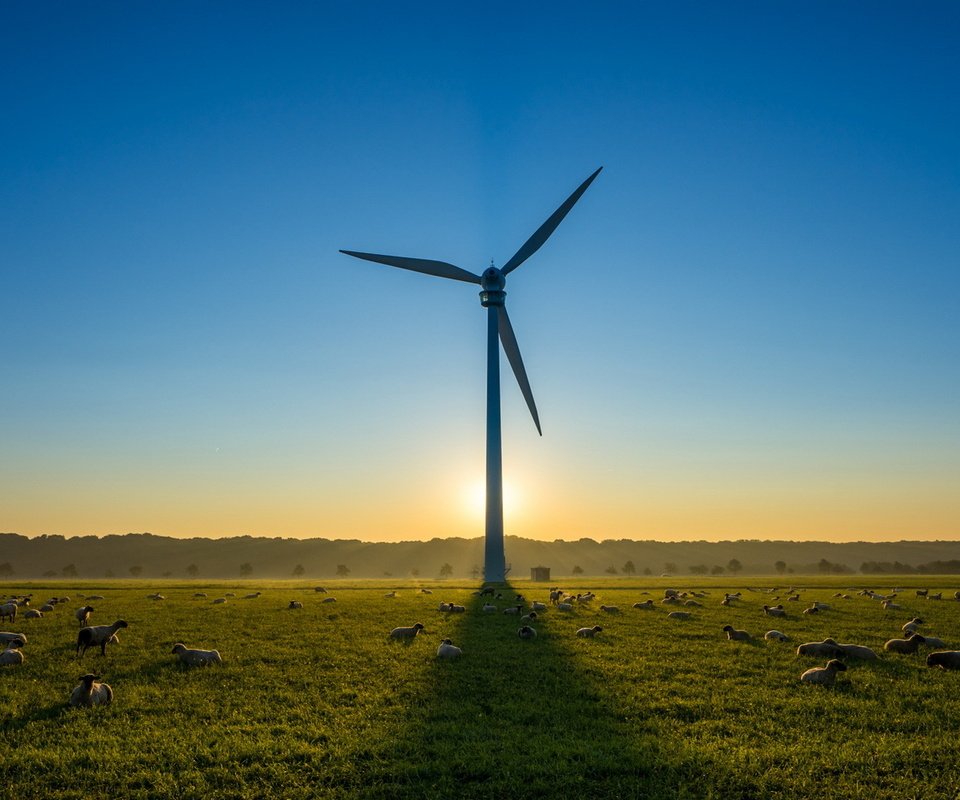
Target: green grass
(319, 703)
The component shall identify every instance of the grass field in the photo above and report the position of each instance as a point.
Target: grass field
(319, 703)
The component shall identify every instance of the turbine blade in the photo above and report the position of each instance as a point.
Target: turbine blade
(439, 268)
(509, 340)
(543, 232)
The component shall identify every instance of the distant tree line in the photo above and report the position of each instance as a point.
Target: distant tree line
(951, 567)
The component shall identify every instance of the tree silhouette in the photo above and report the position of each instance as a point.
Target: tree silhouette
(136, 570)
(734, 566)
(647, 571)
(670, 567)
(50, 573)
(415, 572)
(343, 570)
(629, 568)
(475, 572)
(69, 571)
(298, 570)
(611, 570)
(6, 569)
(246, 568)
(193, 570)
(699, 569)
(578, 570)
(446, 571)
(716, 569)
(780, 567)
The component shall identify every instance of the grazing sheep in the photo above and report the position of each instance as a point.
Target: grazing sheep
(230, 594)
(589, 633)
(252, 596)
(196, 658)
(922, 592)
(32, 613)
(828, 647)
(824, 676)
(776, 636)
(199, 594)
(933, 641)
(10, 657)
(946, 659)
(912, 625)
(406, 633)
(455, 609)
(646, 605)
(489, 608)
(83, 615)
(538, 606)
(329, 600)
(448, 649)
(531, 617)
(937, 596)
(670, 593)
(671, 601)
(97, 635)
(425, 591)
(156, 596)
(736, 636)
(295, 604)
(774, 611)
(906, 646)
(94, 597)
(319, 590)
(821, 606)
(9, 611)
(526, 632)
(8, 639)
(812, 610)
(487, 591)
(692, 604)
(218, 601)
(90, 693)
(889, 605)
(390, 594)
(513, 610)
(46, 608)
(678, 615)
(610, 609)
(564, 606)
(858, 651)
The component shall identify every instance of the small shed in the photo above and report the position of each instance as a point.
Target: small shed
(540, 574)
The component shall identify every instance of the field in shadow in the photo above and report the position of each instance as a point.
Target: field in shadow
(517, 719)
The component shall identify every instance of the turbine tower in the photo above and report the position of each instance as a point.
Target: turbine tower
(492, 282)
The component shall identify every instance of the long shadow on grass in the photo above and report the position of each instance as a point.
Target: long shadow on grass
(517, 719)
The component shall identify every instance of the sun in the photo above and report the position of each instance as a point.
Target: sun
(475, 500)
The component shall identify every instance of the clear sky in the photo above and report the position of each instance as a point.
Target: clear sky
(748, 327)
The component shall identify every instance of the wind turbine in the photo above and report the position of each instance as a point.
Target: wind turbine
(492, 282)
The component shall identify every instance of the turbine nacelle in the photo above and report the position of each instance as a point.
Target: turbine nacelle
(492, 282)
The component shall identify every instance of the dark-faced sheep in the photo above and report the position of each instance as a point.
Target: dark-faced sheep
(946, 659)
(97, 635)
(589, 633)
(736, 636)
(90, 693)
(905, 646)
(407, 633)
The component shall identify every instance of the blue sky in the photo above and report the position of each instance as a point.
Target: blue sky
(746, 328)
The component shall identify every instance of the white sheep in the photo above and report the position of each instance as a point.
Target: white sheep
(32, 613)
(8, 639)
(679, 615)
(774, 611)
(90, 693)
(736, 636)
(329, 600)
(390, 594)
(9, 611)
(858, 651)
(933, 641)
(252, 596)
(97, 635)
(10, 657)
(912, 625)
(776, 636)
(407, 633)
(455, 609)
(824, 676)
(538, 606)
(218, 601)
(610, 609)
(199, 595)
(513, 610)
(564, 606)
(46, 608)
(589, 633)
(489, 608)
(156, 596)
(196, 658)
(646, 605)
(828, 647)
(906, 646)
(526, 632)
(946, 659)
(889, 605)
(83, 615)
(448, 649)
